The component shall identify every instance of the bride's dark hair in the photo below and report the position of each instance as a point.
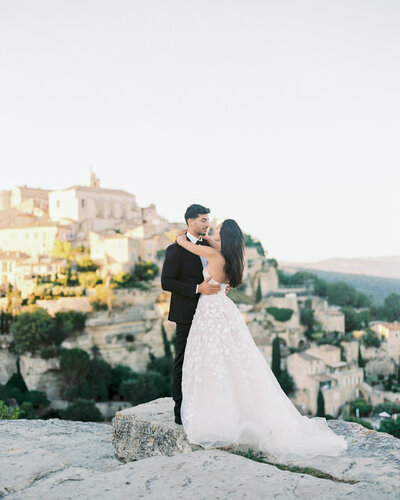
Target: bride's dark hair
(232, 248)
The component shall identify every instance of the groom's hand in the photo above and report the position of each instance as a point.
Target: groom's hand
(207, 288)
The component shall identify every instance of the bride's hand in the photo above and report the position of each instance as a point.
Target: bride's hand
(228, 287)
(180, 233)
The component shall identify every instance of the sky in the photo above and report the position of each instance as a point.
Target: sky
(283, 115)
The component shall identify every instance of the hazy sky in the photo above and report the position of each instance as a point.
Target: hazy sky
(284, 115)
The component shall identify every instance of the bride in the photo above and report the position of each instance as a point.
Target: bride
(230, 396)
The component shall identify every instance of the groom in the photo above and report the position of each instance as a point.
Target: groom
(182, 274)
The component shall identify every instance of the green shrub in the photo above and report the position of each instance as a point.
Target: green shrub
(389, 407)
(27, 411)
(118, 374)
(86, 265)
(390, 426)
(74, 364)
(363, 406)
(36, 398)
(145, 387)
(102, 299)
(145, 270)
(89, 280)
(83, 410)
(7, 413)
(280, 313)
(97, 380)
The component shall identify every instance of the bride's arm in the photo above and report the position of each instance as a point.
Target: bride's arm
(202, 250)
(212, 243)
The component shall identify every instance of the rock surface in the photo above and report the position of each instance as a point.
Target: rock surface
(60, 459)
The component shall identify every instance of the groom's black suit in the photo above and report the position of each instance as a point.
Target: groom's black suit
(181, 272)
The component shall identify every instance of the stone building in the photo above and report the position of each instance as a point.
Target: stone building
(389, 333)
(35, 239)
(19, 194)
(320, 367)
(115, 252)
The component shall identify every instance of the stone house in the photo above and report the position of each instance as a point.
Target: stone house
(320, 367)
(389, 333)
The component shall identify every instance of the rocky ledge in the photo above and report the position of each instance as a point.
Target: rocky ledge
(151, 458)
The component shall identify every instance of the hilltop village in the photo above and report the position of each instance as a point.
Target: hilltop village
(80, 291)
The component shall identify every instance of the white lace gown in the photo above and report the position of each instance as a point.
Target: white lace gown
(230, 395)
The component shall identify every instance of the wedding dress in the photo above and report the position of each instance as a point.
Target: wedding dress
(230, 396)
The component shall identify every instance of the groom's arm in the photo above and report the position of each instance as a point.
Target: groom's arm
(170, 272)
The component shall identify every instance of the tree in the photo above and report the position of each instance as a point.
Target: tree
(342, 294)
(320, 404)
(276, 357)
(258, 292)
(360, 360)
(392, 307)
(307, 318)
(352, 319)
(32, 330)
(286, 382)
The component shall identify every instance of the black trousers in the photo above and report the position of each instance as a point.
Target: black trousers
(182, 332)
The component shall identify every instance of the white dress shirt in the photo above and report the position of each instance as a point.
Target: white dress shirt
(204, 261)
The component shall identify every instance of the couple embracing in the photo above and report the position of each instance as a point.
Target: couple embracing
(224, 391)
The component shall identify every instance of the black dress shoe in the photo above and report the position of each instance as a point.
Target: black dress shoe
(178, 420)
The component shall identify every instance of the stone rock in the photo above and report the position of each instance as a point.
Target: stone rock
(147, 430)
(372, 457)
(42, 375)
(8, 366)
(62, 460)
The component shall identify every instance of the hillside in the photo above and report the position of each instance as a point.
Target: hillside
(383, 267)
(377, 287)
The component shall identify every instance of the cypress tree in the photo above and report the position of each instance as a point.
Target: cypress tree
(360, 359)
(320, 404)
(258, 292)
(276, 357)
(2, 322)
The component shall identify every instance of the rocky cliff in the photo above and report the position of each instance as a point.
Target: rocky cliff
(151, 458)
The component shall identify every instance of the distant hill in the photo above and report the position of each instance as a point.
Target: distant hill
(384, 267)
(377, 287)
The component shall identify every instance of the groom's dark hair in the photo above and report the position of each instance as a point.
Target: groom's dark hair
(194, 211)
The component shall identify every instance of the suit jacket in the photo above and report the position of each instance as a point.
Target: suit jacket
(181, 272)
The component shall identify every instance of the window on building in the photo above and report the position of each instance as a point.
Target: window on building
(82, 203)
(58, 203)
